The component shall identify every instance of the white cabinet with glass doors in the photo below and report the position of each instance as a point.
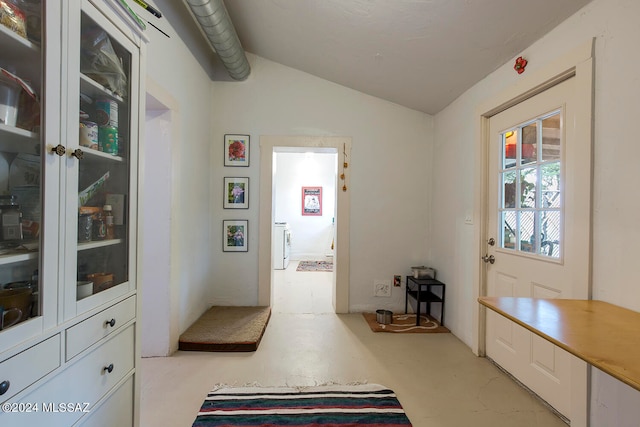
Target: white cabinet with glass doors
(68, 188)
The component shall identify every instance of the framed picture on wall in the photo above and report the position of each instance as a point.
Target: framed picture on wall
(235, 235)
(312, 201)
(236, 193)
(236, 150)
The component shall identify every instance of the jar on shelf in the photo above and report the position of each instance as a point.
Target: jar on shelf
(10, 219)
(85, 227)
(108, 139)
(99, 227)
(108, 219)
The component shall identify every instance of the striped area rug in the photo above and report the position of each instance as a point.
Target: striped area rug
(370, 405)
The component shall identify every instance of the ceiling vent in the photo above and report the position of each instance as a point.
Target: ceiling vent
(216, 25)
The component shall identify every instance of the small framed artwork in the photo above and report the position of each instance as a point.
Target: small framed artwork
(236, 193)
(235, 237)
(236, 150)
(312, 201)
(397, 280)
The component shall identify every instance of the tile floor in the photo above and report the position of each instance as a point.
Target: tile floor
(437, 378)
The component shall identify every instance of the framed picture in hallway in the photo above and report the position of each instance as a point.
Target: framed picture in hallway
(312, 201)
(235, 235)
(236, 150)
(236, 193)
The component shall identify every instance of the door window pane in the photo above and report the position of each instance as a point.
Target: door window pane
(531, 197)
(551, 138)
(529, 143)
(509, 190)
(527, 231)
(509, 227)
(550, 233)
(550, 183)
(528, 182)
(509, 145)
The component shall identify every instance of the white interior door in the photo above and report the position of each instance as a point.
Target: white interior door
(537, 189)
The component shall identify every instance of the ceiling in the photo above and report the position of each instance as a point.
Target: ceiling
(421, 54)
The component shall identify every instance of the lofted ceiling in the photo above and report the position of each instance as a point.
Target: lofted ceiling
(421, 54)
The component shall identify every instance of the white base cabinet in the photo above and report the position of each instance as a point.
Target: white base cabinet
(68, 214)
(76, 391)
(116, 409)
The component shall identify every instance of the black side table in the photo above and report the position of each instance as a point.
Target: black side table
(421, 291)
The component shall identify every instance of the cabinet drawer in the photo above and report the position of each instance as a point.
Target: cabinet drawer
(84, 383)
(117, 410)
(90, 373)
(29, 366)
(90, 331)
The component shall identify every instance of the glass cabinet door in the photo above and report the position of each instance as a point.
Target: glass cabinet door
(25, 297)
(99, 168)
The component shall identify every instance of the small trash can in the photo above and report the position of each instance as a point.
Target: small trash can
(384, 317)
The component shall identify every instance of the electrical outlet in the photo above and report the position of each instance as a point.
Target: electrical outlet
(382, 288)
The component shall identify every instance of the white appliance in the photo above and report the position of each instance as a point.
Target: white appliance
(281, 245)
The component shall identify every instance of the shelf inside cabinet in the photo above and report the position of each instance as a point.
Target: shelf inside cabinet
(90, 153)
(90, 87)
(98, 244)
(26, 252)
(21, 53)
(16, 140)
(13, 41)
(16, 46)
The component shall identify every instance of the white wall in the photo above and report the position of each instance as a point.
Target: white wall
(311, 235)
(388, 170)
(158, 314)
(171, 65)
(616, 176)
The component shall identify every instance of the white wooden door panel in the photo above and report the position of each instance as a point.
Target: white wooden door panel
(533, 194)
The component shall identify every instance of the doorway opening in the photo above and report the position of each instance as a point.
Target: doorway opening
(304, 204)
(269, 147)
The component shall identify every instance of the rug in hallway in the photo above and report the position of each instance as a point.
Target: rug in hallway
(358, 405)
(315, 266)
(226, 329)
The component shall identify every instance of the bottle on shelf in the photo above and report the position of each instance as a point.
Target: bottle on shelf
(11, 220)
(99, 227)
(108, 219)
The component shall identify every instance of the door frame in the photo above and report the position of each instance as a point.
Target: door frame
(341, 254)
(577, 64)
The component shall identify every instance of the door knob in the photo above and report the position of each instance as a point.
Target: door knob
(59, 150)
(78, 154)
(489, 258)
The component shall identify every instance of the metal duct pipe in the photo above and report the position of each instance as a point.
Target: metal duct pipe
(214, 20)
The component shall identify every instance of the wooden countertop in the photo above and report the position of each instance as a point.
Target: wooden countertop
(602, 334)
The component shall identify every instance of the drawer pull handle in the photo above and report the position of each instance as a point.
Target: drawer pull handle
(109, 368)
(4, 387)
(111, 322)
